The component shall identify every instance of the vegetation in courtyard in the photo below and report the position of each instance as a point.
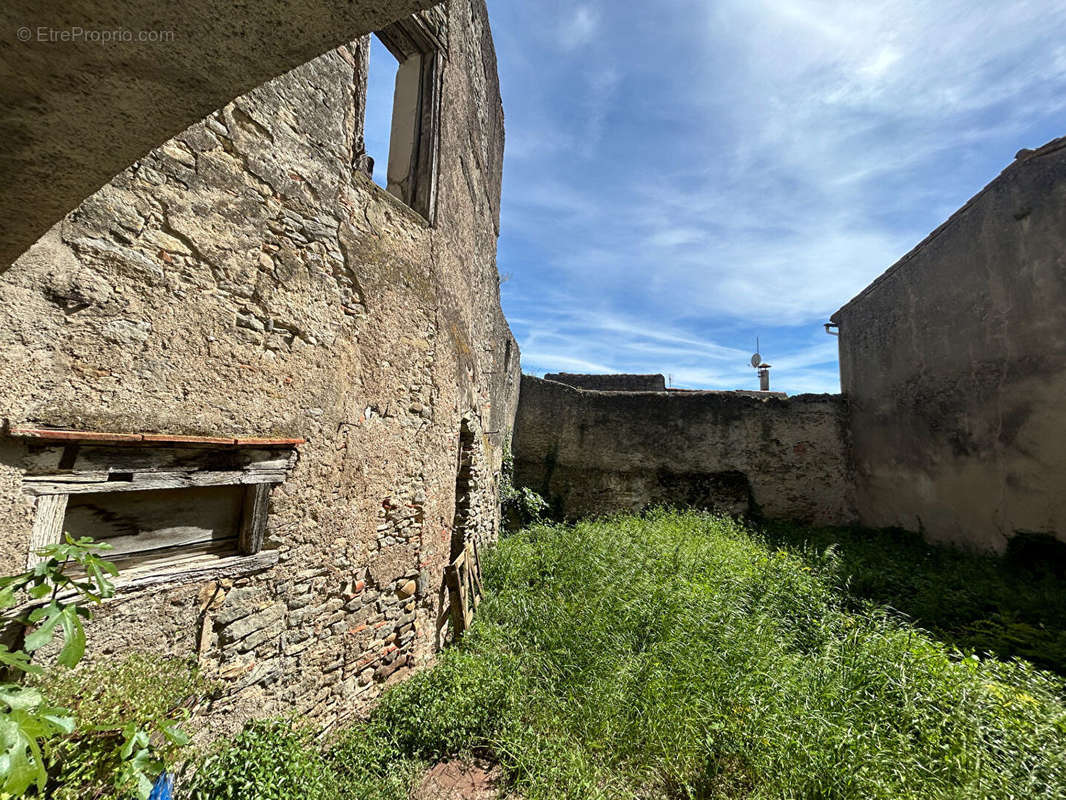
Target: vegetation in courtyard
(102, 732)
(680, 655)
(268, 760)
(128, 716)
(519, 506)
(1014, 605)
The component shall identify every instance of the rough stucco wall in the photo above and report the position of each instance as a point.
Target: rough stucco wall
(954, 365)
(242, 279)
(75, 111)
(596, 452)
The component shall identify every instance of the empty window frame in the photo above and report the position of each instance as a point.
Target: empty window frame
(419, 44)
(162, 509)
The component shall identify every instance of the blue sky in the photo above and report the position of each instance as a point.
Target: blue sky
(682, 177)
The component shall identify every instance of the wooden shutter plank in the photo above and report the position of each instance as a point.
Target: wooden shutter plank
(254, 520)
(47, 525)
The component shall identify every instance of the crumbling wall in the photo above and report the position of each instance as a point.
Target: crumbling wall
(610, 383)
(594, 452)
(954, 366)
(244, 279)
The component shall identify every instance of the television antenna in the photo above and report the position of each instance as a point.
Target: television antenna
(763, 368)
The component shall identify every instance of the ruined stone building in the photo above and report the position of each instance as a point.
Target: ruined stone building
(950, 422)
(279, 390)
(592, 451)
(283, 393)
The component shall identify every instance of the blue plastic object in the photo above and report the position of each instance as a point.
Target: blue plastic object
(164, 788)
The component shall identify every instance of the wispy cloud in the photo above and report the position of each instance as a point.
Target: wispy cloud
(579, 28)
(689, 180)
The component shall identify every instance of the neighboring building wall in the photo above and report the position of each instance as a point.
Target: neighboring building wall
(244, 280)
(954, 366)
(597, 452)
(610, 383)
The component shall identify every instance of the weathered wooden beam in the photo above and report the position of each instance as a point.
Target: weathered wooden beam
(189, 568)
(455, 592)
(254, 519)
(58, 435)
(144, 481)
(75, 458)
(47, 525)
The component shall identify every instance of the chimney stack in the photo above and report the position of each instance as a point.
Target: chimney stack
(764, 377)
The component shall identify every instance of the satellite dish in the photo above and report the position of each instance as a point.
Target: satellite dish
(756, 360)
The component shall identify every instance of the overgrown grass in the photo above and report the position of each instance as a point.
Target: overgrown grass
(1013, 605)
(679, 656)
(268, 760)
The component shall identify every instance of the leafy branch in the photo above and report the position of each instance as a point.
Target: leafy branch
(51, 599)
(521, 506)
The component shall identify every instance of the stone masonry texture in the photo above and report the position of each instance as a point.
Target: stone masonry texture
(591, 452)
(131, 74)
(610, 383)
(247, 281)
(243, 280)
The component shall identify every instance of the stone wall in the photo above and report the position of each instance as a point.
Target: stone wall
(610, 383)
(594, 452)
(89, 86)
(243, 280)
(954, 366)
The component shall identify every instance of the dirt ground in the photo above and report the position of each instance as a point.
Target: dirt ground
(461, 780)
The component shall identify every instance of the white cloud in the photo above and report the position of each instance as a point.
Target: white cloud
(754, 173)
(580, 28)
(564, 336)
(541, 361)
(878, 67)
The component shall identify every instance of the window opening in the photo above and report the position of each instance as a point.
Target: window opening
(162, 505)
(400, 137)
(381, 86)
(463, 480)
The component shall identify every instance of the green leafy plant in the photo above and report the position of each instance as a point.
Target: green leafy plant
(25, 721)
(129, 716)
(66, 599)
(47, 602)
(53, 604)
(520, 506)
(268, 760)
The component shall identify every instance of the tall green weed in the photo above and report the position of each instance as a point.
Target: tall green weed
(678, 655)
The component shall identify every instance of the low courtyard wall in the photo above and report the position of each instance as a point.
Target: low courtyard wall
(592, 452)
